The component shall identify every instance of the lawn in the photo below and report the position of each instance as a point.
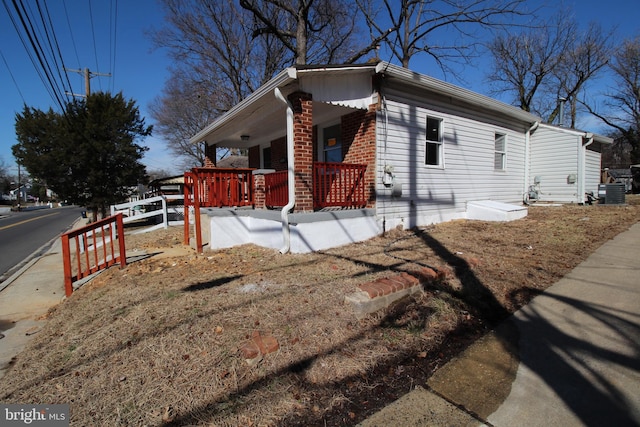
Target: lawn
(157, 343)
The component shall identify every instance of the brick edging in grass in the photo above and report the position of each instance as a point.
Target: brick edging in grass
(380, 293)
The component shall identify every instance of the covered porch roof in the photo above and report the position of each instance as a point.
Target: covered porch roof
(261, 117)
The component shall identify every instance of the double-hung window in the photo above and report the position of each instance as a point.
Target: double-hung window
(500, 153)
(434, 147)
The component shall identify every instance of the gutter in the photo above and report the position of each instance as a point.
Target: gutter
(527, 157)
(583, 166)
(284, 213)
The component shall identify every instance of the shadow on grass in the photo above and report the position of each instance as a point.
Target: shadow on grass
(474, 294)
(210, 284)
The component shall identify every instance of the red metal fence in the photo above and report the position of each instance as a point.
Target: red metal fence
(334, 185)
(93, 249)
(214, 187)
(224, 187)
(276, 189)
(339, 185)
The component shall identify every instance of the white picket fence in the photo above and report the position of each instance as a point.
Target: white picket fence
(132, 211)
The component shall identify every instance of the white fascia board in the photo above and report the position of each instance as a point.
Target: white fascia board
(448, 89)
(285, 77)
(588, 135)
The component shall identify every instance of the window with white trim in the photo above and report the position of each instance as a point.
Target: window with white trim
(500, 153)
(433, 148)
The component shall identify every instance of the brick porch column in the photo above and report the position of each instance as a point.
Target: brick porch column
(259, 197)
(303, 150)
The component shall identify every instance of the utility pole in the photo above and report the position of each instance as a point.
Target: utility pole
(87, 77)
(19, 186)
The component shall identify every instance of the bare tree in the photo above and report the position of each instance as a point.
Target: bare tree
(185, 107)
(588, 55)
(215, 39)
(523, 62)
(623, 101)
(445, 30)
(546, 66)
(313, 31)
(5, 180)
(219, 63)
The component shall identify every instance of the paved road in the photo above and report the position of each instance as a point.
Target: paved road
(29, 233)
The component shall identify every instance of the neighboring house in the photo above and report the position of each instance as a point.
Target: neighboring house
(22, 192)
(344, 153)
(171, 185)
(619, 176)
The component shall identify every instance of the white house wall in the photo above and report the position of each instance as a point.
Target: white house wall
(423, 194)
(592, 175)
(554, 158)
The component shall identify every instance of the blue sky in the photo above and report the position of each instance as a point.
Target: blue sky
(139, 71)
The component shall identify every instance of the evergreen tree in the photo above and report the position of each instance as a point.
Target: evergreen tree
(89, 154)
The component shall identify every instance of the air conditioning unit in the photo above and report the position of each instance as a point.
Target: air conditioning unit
(611, 194)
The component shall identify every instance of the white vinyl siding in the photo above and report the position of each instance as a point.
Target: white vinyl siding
(431, 194)
(555, 156)
(592, 172)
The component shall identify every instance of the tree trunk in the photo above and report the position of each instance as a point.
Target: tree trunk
(301, 38)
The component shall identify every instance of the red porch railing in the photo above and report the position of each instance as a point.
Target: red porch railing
(224, 187)
(276, 189)
(334, 185)
(214, 187)
(93, 249)
(339, 185)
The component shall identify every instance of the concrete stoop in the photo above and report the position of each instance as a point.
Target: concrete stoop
(379, 294)
(490, 210)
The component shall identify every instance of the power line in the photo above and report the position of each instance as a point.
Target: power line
(43, 70)
(73, 41)
(12, 78)
(93, 33)
(115, 34)
(55, 51)
(43, 58)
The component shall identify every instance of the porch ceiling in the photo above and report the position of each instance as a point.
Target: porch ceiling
(266, 121)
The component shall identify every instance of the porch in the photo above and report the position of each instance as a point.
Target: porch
(240, 207)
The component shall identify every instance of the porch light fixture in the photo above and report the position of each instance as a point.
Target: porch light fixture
(244, 137)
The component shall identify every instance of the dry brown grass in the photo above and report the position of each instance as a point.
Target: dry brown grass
(157, 342)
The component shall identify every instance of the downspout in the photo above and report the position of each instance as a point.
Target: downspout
(527, 158)
(284, 213)
(583, 165)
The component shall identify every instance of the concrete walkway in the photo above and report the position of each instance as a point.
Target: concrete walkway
(25, 298)
(571, 357)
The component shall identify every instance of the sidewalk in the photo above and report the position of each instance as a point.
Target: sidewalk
(28, 294)
(569, 358)
(25, 298)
